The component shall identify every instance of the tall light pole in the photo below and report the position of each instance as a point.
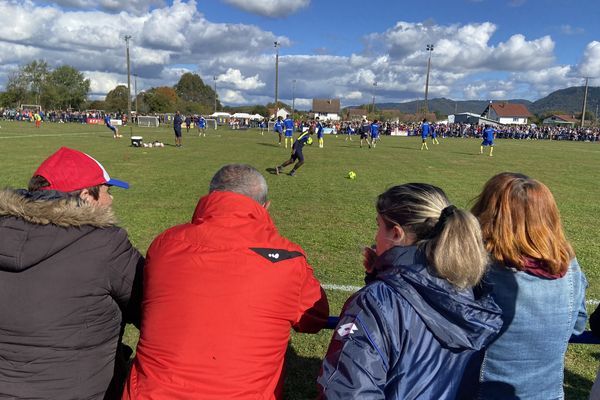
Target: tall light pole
(276, 44)
(215, 81)
(293, 95)
(127, 38)
(429, 49)
(135, 93)
(373, 104)
(584, 102)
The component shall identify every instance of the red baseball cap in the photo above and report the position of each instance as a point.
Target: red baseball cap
(68, 170)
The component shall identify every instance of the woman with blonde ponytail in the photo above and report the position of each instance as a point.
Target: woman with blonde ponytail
(413, 329)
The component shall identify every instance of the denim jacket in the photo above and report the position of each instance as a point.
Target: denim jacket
(526, 361)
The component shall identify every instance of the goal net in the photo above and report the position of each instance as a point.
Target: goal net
(211, 123)
(147, 121)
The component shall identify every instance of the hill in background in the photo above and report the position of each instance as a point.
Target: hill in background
(569, 101)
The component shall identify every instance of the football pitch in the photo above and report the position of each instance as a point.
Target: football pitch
(330, 216)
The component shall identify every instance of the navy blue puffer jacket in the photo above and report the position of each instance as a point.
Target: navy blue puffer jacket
(406, 335)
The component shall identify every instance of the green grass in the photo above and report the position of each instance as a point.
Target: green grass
(330, 216)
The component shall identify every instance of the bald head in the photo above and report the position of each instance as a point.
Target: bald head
(240, 178)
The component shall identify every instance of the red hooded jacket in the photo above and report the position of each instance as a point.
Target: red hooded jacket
(220, 296)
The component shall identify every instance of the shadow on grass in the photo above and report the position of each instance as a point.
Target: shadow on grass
(300, 376)
(576, 386)
(268, 144)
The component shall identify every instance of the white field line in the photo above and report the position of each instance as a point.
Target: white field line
(17, 136)
(352, 289)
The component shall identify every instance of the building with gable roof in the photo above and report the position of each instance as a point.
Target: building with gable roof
(561, 119)
(507, 113)
(328, 109)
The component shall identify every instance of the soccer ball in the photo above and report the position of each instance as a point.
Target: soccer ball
(352, 175)
(309, 141)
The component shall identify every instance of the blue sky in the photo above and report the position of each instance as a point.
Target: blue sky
(484, 49)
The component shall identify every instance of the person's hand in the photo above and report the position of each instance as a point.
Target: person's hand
(369, 257)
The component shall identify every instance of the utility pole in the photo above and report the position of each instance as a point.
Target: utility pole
(135, 94)
(584, 102)
(293, 95)
(215, 81)
(373, 104)
(429, 49)
(127, 38)
(277, 44)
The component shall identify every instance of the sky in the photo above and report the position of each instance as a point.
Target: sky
(353, 50)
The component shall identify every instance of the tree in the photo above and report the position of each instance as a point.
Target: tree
(35, 74)
(116, 99)
(161, 99)
(191, 88)
(67, 88)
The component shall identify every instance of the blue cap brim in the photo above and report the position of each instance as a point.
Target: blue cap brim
(118, 183)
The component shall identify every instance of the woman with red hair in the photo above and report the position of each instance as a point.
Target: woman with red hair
(537, 282)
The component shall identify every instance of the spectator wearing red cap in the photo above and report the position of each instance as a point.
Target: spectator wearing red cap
(69, 280)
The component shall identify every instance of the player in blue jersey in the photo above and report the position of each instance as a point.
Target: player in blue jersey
(278, 127)
(201, 125)
(425, 131)
(188, 123)
(262, 126)
(111, 127)
(488, 139)
(349, 131)
(302, 140)
(434, 135)
(288, 124)
(319, 128)
(374, 130)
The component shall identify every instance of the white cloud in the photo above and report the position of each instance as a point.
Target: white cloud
(231, 97)
(270, 8)
(590, 64)
(236, 79)
(115, 6)
(570, 30)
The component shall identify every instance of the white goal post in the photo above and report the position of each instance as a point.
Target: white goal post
(148, 121)
(211, 123)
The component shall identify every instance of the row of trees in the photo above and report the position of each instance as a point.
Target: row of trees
(35, 83)
(66, 88)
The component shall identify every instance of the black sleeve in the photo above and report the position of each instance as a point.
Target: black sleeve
(595, 321)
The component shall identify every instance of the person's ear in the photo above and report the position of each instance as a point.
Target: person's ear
(85, 195)
(267, 204)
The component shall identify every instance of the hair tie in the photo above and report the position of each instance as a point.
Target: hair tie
(439, 226)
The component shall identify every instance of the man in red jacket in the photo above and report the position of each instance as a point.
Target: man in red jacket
(220, 296)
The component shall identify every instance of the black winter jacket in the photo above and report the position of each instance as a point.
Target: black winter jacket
(66, 279)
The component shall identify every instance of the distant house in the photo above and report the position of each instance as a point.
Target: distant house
(354, 114)
(282, 112)
(561, 119)
(328, 109)
(507, 113)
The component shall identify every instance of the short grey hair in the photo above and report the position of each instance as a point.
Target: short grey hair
(240, 178)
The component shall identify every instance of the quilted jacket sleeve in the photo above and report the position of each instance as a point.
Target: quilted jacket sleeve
(126, 277)
(357, 360)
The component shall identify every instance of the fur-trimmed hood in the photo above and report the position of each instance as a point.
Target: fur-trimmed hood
(51, 207)
(34, 226)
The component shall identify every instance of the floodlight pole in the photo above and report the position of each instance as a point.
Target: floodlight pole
(429, 49)
(373, 103)
(135, 94)
(276, 44)
(293, 95)
(127, 38)
(215, 82)
(584, 103)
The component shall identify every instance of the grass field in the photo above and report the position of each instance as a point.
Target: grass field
(330, 216)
